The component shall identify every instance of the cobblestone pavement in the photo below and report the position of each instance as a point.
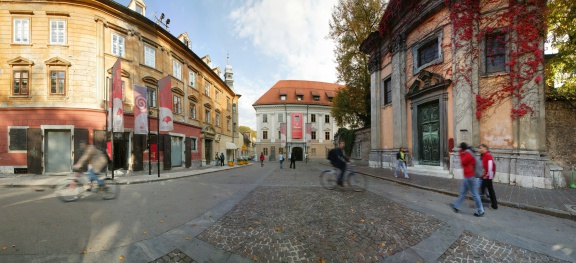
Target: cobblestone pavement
(174, 256)
(474, 248)
(306, 224)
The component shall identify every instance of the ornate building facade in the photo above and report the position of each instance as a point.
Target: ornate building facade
(446, 72)
(297, 112)
(54, 77)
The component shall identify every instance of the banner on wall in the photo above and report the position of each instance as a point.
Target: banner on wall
(282, 134)
(308, 134)
(165, 104)
(296, 125)
(116, 104)
(140, 110)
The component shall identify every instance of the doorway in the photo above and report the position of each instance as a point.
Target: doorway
(429, 133)
(298, 152)
(58, 147)
(177, 149)
(208, 151)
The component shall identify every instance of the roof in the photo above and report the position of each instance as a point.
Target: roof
(307, 89)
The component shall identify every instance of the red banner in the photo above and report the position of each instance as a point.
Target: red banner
(165, 96)
(282, 134)
(296, 125)
(140, 110)
(308, 134)
(117, 103)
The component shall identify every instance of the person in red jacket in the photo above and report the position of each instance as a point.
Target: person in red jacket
(262, 159)
(469, 182)
(489, 171)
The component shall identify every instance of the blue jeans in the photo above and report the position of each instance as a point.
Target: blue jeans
(469, 184)
(92, 176)
(281, 161)
(403, 165)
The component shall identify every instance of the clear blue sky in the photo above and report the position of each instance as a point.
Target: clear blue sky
(268, 40)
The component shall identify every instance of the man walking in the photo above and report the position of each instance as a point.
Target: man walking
(281, 158)
(469, 183)
(221, 159)
(489, 170)
(401, 158)
(293, 160)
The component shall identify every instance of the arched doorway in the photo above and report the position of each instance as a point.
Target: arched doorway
(298, 152)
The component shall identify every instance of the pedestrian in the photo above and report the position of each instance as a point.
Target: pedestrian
(281, 158)
(401, 158)
(468, 161)
(221, 159)
(217, 159)
(489, 171)
(262, 159)
(293, 160)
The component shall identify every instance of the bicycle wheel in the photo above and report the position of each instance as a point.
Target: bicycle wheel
(358, 182)
(111, 190)
(328, 179)
(68, 190)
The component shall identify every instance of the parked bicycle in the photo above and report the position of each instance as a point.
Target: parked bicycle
(78, 185)
(329, 179)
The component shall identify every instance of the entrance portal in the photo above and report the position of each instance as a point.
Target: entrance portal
(208, 151)
(58, 151)
(429, 134)
(298, 152)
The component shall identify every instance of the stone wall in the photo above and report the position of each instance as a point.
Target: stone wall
(361, 150)
(560, 133)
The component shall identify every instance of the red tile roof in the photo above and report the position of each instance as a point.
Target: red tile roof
(291, 88)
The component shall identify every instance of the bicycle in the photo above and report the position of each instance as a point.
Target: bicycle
(329, 179)
(78, 185)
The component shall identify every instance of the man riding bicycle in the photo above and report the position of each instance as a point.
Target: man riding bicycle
(338, 160)
(96, 158)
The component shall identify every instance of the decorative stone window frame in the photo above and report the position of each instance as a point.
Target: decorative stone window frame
(57, 64)
(483, 72)
(193, 110)
(16, 127)
(177, 74)
(436, 35)
(151, 83)
(192, 78)
(194, 144)
(123, 36)
(153, 48)
(20, 64)
(384, 91)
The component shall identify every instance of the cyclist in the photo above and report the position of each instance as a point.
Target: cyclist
(338, 160)
(96, 158)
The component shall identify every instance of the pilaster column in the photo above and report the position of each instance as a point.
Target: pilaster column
(399, 133)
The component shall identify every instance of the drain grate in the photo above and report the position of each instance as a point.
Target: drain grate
(20, 170)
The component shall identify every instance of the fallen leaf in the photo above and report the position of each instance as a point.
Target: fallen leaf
(371, 222)
(383, 244)
(250, 228)
(121, 257)
(193, 225)
(362, 220)
(84, 251)
(4, 248)
(320, 260)
(187, 238)
(144, 233)
(277, 228)
(352, 210)
(254, 258)
(161, 221)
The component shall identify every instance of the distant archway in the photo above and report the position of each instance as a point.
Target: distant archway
(298, 152)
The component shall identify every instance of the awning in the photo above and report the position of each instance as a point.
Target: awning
(231, 146)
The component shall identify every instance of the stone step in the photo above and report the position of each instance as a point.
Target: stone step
(436, 171)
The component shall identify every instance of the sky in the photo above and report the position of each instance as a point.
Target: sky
(267, 40)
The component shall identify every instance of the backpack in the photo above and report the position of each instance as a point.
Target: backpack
(332, 155)
(478, 167)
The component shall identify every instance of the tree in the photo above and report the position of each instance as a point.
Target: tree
(244, 129)
(351, 23)
(562, 32)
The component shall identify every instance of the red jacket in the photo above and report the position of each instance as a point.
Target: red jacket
(262, 157)
(489, 165)
(467, 162)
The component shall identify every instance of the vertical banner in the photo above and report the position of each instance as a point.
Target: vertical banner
(117, 103)
(308, 134)
(282, 134)
(296, 125)
(165, 95)
(140, 110)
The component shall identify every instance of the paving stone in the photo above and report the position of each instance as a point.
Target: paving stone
(174, 256)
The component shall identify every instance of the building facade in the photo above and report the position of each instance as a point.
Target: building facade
(446, 72)
(54, 81)
(293, 117)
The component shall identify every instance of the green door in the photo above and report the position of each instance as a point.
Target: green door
(429, 134)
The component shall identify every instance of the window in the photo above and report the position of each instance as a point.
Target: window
(217, 119)
(495, 52)
(20, 84)
(57, 82)
(149, 56)
(18, 138)
(327, 136)
(386, 91)
(176, 69)
(280, 117)
(281, 150)
(117, 45)
(316, 98)
(217, 96)
(194, 144)
(58, 32)
(207, 89)
(177, 105)
(139, 9)
(207, 117)
(282, 97)
(22, 31)
(313, 135)
(279, 135)
(312, 117)
(228, 105)
(228, 124)
(151, 97)
(265, 135)
(427, 52)
(326, 118)
(265, 150)
(330, 99)
(192, 79)
(192, 111)
(264, 117)
(300, 97)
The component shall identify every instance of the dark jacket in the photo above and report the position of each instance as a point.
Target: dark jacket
(399, 157)
(338, 158)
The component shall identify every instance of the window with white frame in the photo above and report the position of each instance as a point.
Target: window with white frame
(176, 69)
(217, 96)
(149, 56)
(228, 125)
(265, 150)
(192, 79)
(139, 9)
(22, 31)
(118, 45)
(264, 117)
(280, 117)
(151, 97)
(282, 97)
(207, 117)
(192, 111)
(264, 135)
(217, 119)
(177, 104)
(58, 32)
(207, 89)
